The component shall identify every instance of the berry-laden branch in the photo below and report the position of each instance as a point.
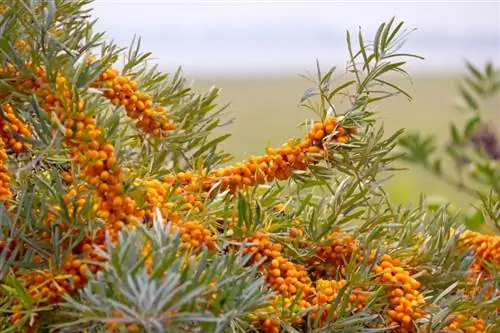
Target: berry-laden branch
(291, 280)
(96, 159)
(5, 192)
(486, 249)
(318, 284)
(405, 299)
(465, 323)
(278, 163)
(191, 188)
(89, 147)
(331, 255)
(121, 90)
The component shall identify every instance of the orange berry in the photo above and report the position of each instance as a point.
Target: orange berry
(319, 135)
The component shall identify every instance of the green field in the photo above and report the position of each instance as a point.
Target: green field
(266, 111)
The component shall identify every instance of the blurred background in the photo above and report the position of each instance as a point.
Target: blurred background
(255, 51)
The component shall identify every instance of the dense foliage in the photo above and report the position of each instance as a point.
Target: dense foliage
(120, 213)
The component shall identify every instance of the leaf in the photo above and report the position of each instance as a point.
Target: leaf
(211, 144)
(390, 67)
(50, 13)
(469, 99)
(394, 33)
(385, 33)
(398, 89)
(437, 166)
(474, 71)
(378, 72)
(4, 47)
(490, 71)
(242, 210)
(326, 77)
(340, 88)
(352, 58)
(455, 136)
(310, 92)
(362, 49)
(21, 292)
(470, 127)
(44, 119)
(478, 88)
(376, 44)
(394, 55)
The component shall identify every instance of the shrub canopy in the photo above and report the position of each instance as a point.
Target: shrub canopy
(121, 214)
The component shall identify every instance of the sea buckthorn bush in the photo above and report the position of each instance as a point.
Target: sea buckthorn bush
(120, 213)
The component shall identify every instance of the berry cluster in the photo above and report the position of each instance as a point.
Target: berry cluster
(74, 200)
(333, 255)
(277, 164)
(115, 326)
(271, 326)
(282, 162)
(92, 152)
(11, 128)
(288, 279)
(22, 47)
(48, 287)
(260, 246)
(194, 235)
(465, 324)
(190, 191)
(155, 194)
(486, 248)
(121, 90)
(405, 299)
(97, 160)
(5, 192)
(327, 292)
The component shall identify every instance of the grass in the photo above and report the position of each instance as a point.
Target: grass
(266, 112)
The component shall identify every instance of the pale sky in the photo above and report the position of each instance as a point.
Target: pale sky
(213, 36)
(447, 15)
